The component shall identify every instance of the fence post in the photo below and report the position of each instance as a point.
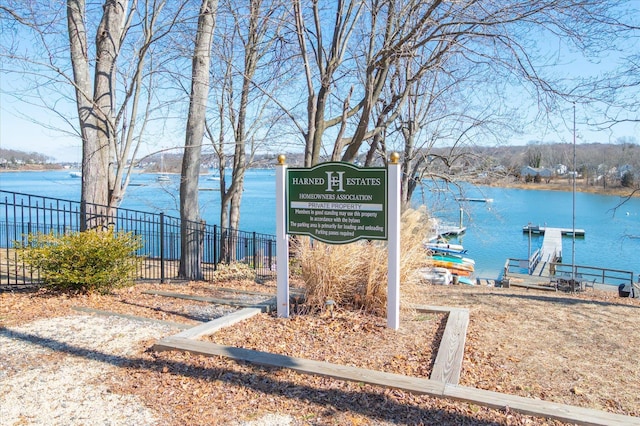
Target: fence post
(162, 248)
(255, 254)
(215, 247)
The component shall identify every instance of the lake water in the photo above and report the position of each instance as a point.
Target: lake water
(494, 230)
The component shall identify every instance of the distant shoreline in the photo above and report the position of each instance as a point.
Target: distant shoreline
(567, 186)
(34, 168)
(564, 185)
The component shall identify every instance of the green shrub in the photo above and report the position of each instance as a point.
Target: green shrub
(84, 262)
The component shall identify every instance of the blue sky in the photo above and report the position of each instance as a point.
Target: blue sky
(18, 133)
(20, 128)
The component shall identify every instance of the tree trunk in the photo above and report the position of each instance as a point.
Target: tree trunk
(190, 255)
(108, 39)
(95, 110)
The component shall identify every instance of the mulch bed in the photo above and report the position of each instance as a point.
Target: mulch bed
(576, 349)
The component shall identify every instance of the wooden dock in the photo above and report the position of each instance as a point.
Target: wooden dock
(551, 250)
(448, 230)
(475, 199)
(542, 230)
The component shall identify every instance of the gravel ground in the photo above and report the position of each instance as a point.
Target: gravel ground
(55, 371)
(68, 358)
(52, 372)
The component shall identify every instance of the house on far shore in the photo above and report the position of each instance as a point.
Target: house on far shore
(532, 172)
(561, 169)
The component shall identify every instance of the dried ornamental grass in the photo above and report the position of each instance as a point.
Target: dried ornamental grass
(356, 274)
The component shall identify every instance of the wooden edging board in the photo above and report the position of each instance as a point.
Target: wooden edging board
(567, 413)
(448, 363)
(266, 305)
(212, 326)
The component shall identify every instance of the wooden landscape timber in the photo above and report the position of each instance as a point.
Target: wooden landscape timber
(441, 384)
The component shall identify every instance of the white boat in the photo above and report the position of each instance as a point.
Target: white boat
(75, 175)
(436, 275)
(446, 246)
(213, 178)
(162, 177)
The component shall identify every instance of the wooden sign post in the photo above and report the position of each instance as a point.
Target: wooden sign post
(393, 247)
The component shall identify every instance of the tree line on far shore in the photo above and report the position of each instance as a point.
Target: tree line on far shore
(609, 164)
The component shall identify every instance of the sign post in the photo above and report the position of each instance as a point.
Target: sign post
(393, 247)
(282, 241)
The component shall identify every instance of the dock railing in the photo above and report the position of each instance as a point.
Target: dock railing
(589, 275)
(522, 266)
(592, 274)
(24, 214)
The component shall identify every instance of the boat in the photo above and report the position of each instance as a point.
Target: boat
(451, 265)
(455, 259)
(435, 275)
(456, 269)
(213, 177)
(162, 177)
(75, 175)
(446, 246)
(447, 251)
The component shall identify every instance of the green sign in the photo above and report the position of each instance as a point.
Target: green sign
(337, 203)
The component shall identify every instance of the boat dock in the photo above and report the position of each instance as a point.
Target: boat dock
(475, 199)
(544, 270)
(446, 230)
(551, 251)
(542, 230)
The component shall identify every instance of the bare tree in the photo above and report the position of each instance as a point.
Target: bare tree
(254, 31)
(190, 231)
(320, 62)
(103, 68)
(246, 68)
(347, 65)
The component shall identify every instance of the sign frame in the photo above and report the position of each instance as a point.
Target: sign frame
(337, 202)
(392, 189)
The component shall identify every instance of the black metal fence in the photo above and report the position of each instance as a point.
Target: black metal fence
(24, 214)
